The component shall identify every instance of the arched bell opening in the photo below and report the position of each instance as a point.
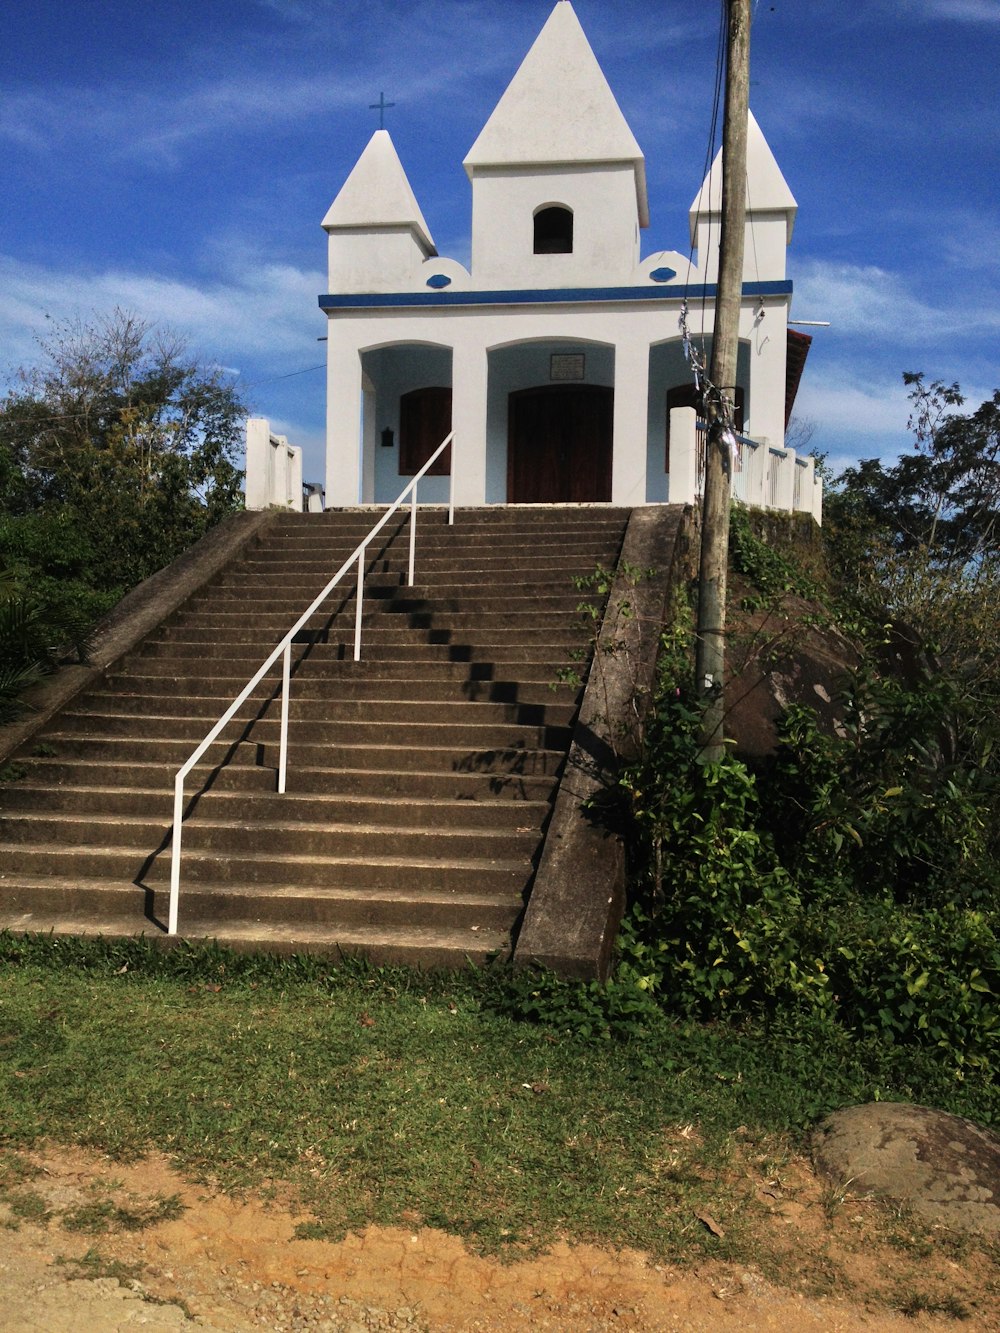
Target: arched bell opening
(553, 230)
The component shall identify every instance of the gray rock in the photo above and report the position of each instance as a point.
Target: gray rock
(945, 1168)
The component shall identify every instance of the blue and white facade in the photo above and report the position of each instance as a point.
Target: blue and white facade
(557, 302)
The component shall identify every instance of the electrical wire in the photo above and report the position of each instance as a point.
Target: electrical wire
(697, 360)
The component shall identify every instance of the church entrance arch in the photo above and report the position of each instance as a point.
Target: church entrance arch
(559, 445)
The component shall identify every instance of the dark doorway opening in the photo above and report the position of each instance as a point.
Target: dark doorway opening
(559, 444)
(424, 421)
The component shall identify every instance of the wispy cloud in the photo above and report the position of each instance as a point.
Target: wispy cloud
(960, 11)
(262, 324)
(423, 52)
(865, 299)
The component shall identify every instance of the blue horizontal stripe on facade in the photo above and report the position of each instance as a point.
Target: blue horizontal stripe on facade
(545, 296)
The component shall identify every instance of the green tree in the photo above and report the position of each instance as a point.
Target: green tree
(118, 450)
(916, 546)
(943, 498)
(122, 431)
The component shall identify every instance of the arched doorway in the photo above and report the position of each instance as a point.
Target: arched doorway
(559, 444)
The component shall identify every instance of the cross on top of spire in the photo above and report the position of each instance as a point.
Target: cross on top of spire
(381, 106)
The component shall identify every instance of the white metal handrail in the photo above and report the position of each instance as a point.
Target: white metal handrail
(285, 647)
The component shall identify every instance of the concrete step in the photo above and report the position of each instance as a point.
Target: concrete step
(325, 667)
(218, 624)
(427, 947)
(411, 785)
(272, 837)
(131, 866)
(382, 758)
(335, 909)
(395, 598)
(342, 687)
(467, 735)
(390, 706)
(243, 807)
(397, 648)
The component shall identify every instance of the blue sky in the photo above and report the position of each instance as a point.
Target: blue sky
(176, 159)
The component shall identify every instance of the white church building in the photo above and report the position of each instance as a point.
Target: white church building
(557, 357)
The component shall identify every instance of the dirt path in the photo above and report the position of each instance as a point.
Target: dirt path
(231, 1264)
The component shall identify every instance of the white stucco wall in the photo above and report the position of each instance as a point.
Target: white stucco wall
(605, 227)
(385, 260)
(486, 365)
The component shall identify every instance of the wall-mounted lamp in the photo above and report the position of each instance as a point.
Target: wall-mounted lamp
(388, 439)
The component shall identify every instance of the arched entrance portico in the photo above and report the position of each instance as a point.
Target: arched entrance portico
(550, 421)
(559, 445)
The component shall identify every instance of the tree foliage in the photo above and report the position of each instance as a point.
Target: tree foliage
(943, 498)
(118, 450)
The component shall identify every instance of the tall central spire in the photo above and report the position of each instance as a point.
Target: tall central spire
(559, 109)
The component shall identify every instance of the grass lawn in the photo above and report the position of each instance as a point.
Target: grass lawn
(382, 1095)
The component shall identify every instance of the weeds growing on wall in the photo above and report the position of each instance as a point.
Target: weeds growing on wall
(850, 887)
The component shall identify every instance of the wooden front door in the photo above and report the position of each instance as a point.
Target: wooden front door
(559, 442)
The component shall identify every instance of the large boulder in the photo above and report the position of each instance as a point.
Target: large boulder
(945, 1168)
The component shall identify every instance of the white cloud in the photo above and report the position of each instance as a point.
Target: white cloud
(962, 11)
(848, 405)
(156, 125)
(268, 83)
(866, 299)
(262, 319)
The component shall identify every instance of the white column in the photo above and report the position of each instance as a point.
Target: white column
(628, 465)
(279, 471)
(258, 458)
(293, 478)
(369, 440)
(343, 419)
(683, 475)
(784, 491)
(768, 354)
(755, 490)
(469, 373)
(806, 473)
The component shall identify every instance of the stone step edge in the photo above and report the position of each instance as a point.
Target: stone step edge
(300, 797)
(483, 865)
(39, 818)
(467, 939)
(287, 892)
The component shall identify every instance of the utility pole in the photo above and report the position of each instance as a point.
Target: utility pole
(720, 391)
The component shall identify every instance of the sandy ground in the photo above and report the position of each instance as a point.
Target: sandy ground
(228, 1263)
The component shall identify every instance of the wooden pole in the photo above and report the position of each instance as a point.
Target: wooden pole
(720, 392)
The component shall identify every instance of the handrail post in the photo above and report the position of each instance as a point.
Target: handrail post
(175, 855)
(413, 533)
(451, 485)
(286, 678)
(284, 649)
(359, 604)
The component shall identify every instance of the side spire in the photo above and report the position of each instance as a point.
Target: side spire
(767, 189)
(377, 194)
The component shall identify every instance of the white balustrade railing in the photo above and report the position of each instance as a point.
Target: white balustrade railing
(744, 470)
(775, 459)
(284, 650)
(764, 476)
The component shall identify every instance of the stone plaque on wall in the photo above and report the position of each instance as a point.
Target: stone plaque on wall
(567, 366)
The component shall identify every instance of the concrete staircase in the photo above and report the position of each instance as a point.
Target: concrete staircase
(420, 779)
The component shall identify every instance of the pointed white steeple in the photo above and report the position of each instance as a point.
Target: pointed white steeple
(377, 194)
(767, 189)
(559, 109)
(378, 236)
(771, 210)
